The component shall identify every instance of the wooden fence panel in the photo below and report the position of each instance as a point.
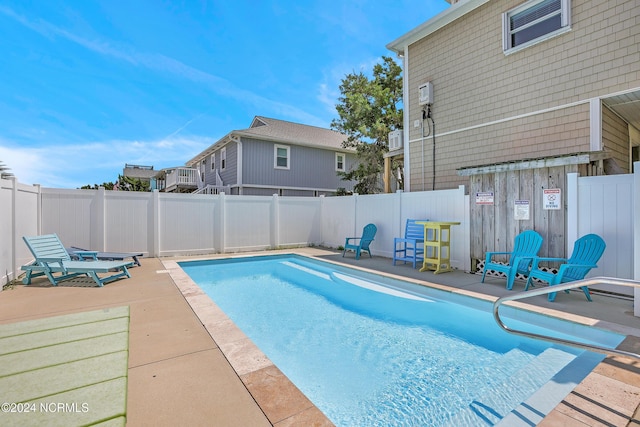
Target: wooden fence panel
(495, 226)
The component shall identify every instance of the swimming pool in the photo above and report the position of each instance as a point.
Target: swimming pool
(374, 351)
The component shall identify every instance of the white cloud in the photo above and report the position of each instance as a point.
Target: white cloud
(72, 166)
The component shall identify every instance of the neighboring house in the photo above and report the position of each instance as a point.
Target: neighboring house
(508, 96)
(143, 173)
(275, 157)
(511, 80)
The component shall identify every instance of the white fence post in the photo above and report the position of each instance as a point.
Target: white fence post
(572, 210)
(322, 208)
(355, 214)
(39, 205)
(98, 226)
(275, 221)
(636, 237)
(154, 224)
(13, 211)
(222, 219)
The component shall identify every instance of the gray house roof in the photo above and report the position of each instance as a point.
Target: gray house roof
(281, 131)
(294, 133)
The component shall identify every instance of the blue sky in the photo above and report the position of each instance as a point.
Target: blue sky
(87, 86)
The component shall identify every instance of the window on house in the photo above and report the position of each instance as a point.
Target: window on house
(340, 162)
(281, 157)
(212, 160)
(534, 21)
(223, 158)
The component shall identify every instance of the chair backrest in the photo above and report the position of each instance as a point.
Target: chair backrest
(413, 230)
(46, 246)
(526, 244)
(368, 233)
(587, 250)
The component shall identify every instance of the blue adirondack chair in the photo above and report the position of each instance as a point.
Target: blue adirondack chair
(411, 246)
(525, 248)
(586, 252)
(53, 260)
(361, 243)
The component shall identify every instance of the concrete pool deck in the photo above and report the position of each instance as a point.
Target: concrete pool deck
(189, 365)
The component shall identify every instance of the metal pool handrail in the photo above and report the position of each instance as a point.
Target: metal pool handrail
(563, 287)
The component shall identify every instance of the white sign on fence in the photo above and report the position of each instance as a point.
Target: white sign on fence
(521, 210)
(551, 198)
(484, 198)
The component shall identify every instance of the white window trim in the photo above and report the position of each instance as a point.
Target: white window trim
(223, 158)
(275, 156)
(344, 159)
(212, 159)
(565, 15)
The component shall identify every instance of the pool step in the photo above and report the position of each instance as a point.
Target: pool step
(496, 401)
(534, 409)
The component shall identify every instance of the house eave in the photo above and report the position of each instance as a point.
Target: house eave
(432, 25)
(213, 147)
(572, 159)
(249, 135)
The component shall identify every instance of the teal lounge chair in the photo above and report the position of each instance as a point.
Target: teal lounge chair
(361, 243)
(411, 246)
(586, 253)
(52, 260)
(525, 248)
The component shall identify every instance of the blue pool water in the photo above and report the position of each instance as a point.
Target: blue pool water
(371, 351)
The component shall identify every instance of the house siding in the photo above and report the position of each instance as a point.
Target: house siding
(615, 139)
(490, 107)
(307, 168)
(230, 174)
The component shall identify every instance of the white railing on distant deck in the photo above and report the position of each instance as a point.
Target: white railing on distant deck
(213, 189)
(182, 176)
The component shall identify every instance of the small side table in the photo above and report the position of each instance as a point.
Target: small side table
(437, 250)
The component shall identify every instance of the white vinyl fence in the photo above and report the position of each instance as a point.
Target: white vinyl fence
(19, 216)
(604, 205)
(168, 224)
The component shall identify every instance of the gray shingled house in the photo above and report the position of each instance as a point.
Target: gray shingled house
(275, 157)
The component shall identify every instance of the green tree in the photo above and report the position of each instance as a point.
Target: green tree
(127, 183)
(106, 185)
(5, 171)
(368, 110)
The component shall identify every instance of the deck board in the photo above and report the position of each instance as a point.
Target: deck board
(66, 370)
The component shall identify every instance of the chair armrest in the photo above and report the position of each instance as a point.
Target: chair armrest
(563, 267)
(58, 260)
(86, 254)
(489, 255)
(515, 261)
(407, 239)
(537, 260)
(47, 261)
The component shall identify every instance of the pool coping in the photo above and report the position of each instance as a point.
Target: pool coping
(284, 404)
